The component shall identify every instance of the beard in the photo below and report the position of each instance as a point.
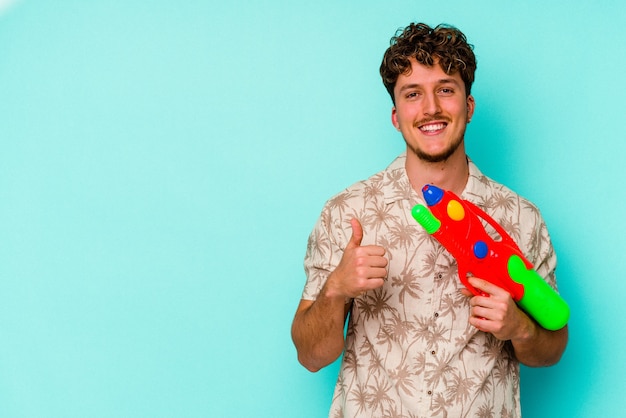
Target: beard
(439, 157)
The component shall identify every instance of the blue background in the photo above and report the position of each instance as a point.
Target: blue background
(162, 164)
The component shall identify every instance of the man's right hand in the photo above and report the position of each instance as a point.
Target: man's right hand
(361, 268)
(318, 325)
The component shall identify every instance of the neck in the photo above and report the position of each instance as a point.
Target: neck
(451, 174)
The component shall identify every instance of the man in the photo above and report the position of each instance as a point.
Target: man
(418, 344)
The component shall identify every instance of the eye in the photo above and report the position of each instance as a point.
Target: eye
(446, 91)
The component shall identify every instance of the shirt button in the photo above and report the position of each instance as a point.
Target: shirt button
(430, 392)
(436, 315)
(433, 352)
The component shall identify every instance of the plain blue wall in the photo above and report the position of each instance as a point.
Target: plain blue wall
(162, 163)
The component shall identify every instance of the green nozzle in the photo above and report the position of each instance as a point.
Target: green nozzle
(425, 218)
(540, 301)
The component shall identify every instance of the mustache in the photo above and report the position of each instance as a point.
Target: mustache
(424, 121)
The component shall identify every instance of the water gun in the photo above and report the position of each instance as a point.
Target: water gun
(457, 225)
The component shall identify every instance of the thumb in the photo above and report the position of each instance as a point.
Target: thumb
(357, 234)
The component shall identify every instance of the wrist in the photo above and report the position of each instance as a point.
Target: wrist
(332, 292)
(526, 332)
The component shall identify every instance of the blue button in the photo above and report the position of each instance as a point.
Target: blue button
(481, 249)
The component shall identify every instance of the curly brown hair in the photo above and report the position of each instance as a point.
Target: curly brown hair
(444, 45)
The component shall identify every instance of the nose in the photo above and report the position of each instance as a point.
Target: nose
(431, 104)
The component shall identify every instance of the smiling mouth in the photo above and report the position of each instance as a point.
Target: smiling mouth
(432, 127)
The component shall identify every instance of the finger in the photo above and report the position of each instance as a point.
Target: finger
(480, 323)
(381, 262)
(374, 283)
(485, 286)
(357, 234)
(378, 273)
(374, 251)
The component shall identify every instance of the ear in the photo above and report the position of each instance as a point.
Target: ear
(394, 118)
(471, 104)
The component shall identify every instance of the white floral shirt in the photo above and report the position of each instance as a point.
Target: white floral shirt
(410, 351)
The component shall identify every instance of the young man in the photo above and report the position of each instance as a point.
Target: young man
(418, 344)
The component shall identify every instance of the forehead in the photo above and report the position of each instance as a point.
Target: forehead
(422, 75)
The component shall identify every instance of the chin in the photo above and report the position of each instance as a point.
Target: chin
(435, 157)
(438, 157)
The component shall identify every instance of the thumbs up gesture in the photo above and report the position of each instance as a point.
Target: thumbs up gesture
(361, 268)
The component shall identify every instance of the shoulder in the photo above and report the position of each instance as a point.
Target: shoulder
(517, 214)
(370, 190)
(493, 196)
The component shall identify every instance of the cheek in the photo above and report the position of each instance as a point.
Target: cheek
(467, 111)
(401, 119)
(405, 116)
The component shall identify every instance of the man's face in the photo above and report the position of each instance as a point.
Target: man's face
(431, 111)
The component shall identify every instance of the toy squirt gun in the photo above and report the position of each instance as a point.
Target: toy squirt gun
(456, 224)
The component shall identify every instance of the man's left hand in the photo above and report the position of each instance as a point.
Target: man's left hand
(496, 312)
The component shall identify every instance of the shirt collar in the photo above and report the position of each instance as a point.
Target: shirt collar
(398, 187)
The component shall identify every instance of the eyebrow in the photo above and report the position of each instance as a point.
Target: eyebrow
(439, 82)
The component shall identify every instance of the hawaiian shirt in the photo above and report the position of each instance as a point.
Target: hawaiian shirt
(410, 350)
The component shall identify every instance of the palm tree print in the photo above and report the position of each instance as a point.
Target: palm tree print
(410, 351)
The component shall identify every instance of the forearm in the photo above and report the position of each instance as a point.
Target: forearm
(538, 347)
(317, 331)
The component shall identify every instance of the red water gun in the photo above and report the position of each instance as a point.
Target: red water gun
(457, 225)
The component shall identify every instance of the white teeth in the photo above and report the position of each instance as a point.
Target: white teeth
(433, 127)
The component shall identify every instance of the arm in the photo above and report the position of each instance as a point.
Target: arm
(317, 329)
(498, 314)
